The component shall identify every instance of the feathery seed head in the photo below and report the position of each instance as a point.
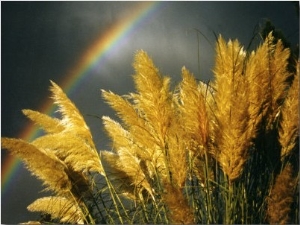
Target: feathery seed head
(72, 119)
(281, 197)
(230, 130)
(289, 124)
(50, 125)
(64, 209)
(43, 164)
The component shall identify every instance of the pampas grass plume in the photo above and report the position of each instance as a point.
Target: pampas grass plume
(289, 124)
(281, 197)
(64, 209)
(43, 164)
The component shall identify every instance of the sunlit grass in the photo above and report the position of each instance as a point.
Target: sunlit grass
(218, 153)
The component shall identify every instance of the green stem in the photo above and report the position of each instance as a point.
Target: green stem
(228, 203)
(208, 194)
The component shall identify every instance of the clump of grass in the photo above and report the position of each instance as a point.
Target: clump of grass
(224, 152)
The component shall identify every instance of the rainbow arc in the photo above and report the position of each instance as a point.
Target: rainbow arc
(94, 56)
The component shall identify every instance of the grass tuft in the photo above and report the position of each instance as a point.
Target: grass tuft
(218, 153)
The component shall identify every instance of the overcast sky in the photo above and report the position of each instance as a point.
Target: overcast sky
(42, 41)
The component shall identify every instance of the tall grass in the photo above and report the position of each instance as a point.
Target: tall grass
(225, 152)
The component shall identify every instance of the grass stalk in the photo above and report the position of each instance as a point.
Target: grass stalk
(209, 205)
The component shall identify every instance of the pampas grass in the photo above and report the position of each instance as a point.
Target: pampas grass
(59, 207)
(43, 164)
(289, 125)
(223, 152)
(49, 124)
(231, 131)
(281, 197)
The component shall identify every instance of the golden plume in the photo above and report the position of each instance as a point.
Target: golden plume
(68, 141)
(124, 139)
(193, 110)
(257, 75)
(132, 120)
(231, 132)
(179, 210)
(120, 136)
(72, 150)
(149, 117)
(127, 177)
(154, 100)
(66, 210)
(281, 197)
(152, 144)
(278, 75)
(266, 72)
(72, 119)
(289, 124)
(49, 124)
(43, 164)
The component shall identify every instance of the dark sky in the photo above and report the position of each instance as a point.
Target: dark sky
(42, 41)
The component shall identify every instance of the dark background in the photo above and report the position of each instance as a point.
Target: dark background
(42, 41)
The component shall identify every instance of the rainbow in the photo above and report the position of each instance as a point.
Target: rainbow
(94, 56)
